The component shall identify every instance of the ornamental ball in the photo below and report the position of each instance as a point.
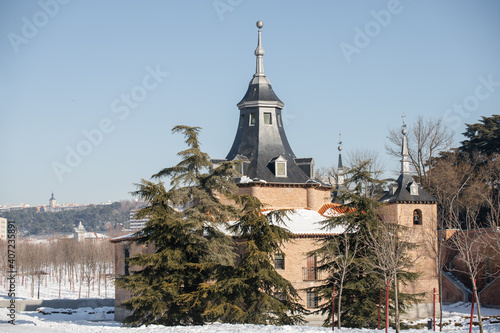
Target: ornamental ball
(260, 24)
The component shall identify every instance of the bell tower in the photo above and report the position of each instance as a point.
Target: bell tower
(408, 204)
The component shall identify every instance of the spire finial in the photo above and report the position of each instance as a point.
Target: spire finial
(259, 52)
(340, 167)
(405, 161)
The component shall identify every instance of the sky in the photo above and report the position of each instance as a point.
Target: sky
(90, 90)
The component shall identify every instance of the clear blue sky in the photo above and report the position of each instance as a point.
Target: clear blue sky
(337, 65)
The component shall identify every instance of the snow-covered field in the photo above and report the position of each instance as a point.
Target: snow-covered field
(98, 320)
(49, 289)
(101, 319)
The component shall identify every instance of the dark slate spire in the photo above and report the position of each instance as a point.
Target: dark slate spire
(339, 187)
(406, 189)
(260, 145)
(260, 92)
(340, 168)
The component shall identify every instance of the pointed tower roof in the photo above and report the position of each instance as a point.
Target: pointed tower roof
(406, 189)
(260, 92)
(340, 187)
(260, 146)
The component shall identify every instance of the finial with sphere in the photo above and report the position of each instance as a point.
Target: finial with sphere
(260, 24)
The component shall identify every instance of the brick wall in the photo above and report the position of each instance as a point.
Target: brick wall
(425, 236)
(287, 195)
(451, 293)
(122, 294)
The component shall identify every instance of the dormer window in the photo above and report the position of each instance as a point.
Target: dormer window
(393, 188)
(238, 164)
(238, 167)
(252, 119)
(281, 169)
(267, 118)
(279, 166)
(414, 188)
(417, 217)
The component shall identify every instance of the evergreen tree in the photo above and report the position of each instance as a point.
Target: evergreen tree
(189, 246)
(254, 292)
(483, 137)
(359, 283)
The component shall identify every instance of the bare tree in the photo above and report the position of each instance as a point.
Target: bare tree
(339, 254)
(468, 239)
(426, 138)
(373, 165)
(394, 256)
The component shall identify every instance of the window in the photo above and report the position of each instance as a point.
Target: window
(310, 273)
(279, 261)
(267, 118)
(126, 255)
(281, 169)
(252, 119)
(312, 300)
(279, 119)
(417, 217)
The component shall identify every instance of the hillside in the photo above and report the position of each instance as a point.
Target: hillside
(94, 217)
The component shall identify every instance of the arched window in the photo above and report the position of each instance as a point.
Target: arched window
(417, 217)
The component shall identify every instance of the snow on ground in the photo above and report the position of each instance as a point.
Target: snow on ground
(97, 320)
(49, 289)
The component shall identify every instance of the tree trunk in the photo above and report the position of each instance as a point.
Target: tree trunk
(396, 304)
(339, 305)
(478, 307)
(440, 286)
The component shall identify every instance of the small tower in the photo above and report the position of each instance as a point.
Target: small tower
(339, 187)
(52, 202)
(408, 204)
(79, 234)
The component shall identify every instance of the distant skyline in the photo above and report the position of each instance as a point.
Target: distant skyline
(91, 90)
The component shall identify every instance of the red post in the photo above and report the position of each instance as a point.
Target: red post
(379, 306)
(472, 307)
(333, 308)
(387, 308)
(434, 310)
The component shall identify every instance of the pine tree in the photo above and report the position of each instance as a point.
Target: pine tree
(358, 284)
(254, 292)
(483, 137)
(189, 245)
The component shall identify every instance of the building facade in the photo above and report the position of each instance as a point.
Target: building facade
(270, 171)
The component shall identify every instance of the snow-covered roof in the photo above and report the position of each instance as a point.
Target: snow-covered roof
(308, 222)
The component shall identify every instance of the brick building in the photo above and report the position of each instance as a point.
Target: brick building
(271, 172)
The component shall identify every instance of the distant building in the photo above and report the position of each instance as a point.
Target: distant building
(81, 235)
(3, 228)
(52, 203)
(136, 224)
